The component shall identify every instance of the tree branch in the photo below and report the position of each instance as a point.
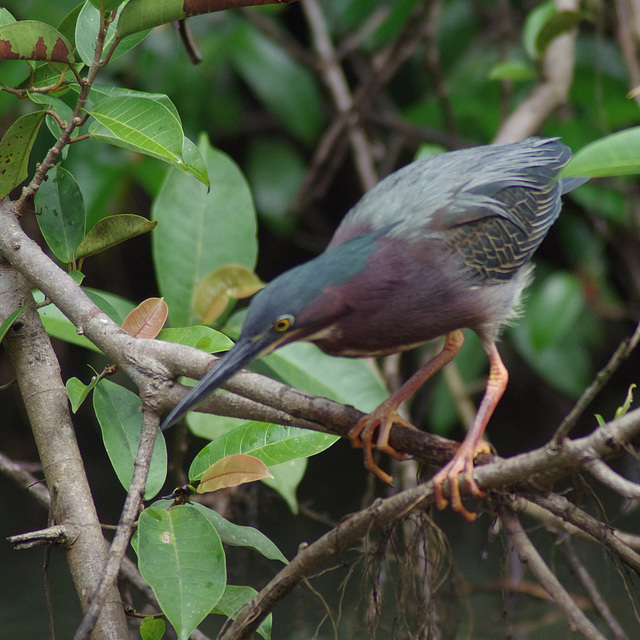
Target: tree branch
(551, 93)
(126, 525)
(530, 557)
(38, 374)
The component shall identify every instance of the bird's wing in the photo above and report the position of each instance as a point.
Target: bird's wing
(496, 231)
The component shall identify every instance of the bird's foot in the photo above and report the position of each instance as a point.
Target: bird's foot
(462, 462)
(361, 436)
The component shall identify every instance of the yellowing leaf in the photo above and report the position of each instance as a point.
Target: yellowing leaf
(211, 295)
(147, 319)
(231, 471)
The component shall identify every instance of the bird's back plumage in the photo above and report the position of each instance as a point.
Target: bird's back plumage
(490, 206)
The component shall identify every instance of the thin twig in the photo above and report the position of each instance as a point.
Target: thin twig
(127, 522)
(336, 82)
(624, 350)
(385, 66)
(530, 557)
(590, 586)
(569, 512)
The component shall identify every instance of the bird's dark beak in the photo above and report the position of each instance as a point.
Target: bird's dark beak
(243, 352)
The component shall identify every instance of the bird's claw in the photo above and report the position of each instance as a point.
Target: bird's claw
(462, 462)
(361, 437)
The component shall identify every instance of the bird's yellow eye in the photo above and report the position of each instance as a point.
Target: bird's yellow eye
(283, 323)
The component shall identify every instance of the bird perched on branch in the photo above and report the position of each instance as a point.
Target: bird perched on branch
(441, 245)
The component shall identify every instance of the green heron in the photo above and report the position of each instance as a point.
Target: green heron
(440, 245)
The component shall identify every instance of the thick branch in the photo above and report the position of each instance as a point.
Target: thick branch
(38, 374)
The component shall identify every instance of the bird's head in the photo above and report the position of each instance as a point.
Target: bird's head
(303, 303)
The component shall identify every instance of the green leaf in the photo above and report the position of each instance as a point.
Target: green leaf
(32, 40)
(193, 162)
(62, 218)
(203, 338)
(6, 17)
(15, 149)
(273, 444)
(552, 335)
(87, 28)
(533, 25)
(241, 536)
(201, 230)
(180, 555)
(152, 628)
(553, 310)
(285, 86)
(118, 411)
(145, 14)
(67, 26)
(514, 70)
(347, 380)
(57, 325)
(78, 391)
(561, 22)
(140, 124)
(111, 231)
(614, 155)
(233, 599)
(147, 125)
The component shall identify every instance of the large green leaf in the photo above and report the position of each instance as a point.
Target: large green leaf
(62, 218)
(347, 380)
(552, 336)
(273, 444)
(147, 125)
(140, 124)
(118, 412)
(241, 536)
(180, 555)
(32, 40)
(614, 155)
(15, 149)
(200, 231)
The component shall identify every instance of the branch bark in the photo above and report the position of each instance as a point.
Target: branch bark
(38, 374)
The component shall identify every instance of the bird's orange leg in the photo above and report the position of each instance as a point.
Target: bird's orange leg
(386, 415)
(473, 444)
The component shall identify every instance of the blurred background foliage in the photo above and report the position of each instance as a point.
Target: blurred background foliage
(259, 94)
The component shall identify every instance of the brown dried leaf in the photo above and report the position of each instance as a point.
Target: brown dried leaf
(147, 319)
(231, 471)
